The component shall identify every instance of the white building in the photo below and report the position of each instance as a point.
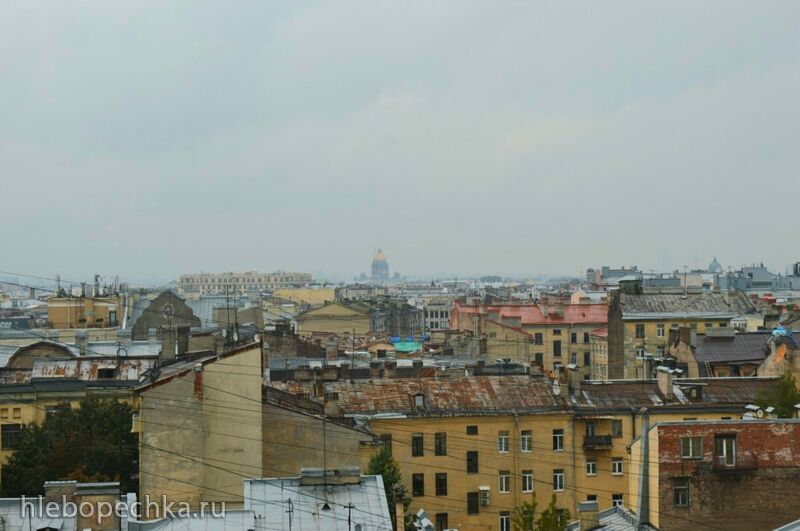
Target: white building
(230, 283)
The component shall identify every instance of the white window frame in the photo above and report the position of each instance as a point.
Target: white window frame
(558, 480)
(560, 438)
(502, 442)
(660, 330)
(617, 468)
(617, 500)
(526, 441)
(591, 467)
(505, 522)
(527, 481)
(504, 482)
(691, 453)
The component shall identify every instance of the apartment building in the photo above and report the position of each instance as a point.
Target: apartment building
(231, 283)
(550, 335)
(640, 319)
(721, 474)
(472, 449)
(84, 312)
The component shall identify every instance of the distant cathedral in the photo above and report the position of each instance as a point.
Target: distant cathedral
(380, 267)
(714, 266)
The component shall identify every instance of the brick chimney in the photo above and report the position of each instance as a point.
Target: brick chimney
(588, 515)
(198, 381)
(169, 344)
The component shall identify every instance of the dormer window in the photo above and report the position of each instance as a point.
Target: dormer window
(419, 401)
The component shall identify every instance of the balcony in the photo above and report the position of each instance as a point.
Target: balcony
(597, 442)
(741, 462)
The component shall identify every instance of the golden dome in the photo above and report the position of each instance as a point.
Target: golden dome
(379, 257)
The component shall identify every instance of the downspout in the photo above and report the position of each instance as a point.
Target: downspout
(644, 471)
(572, 461)
(516, 441)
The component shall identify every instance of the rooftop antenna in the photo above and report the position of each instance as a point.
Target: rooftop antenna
(685, 286)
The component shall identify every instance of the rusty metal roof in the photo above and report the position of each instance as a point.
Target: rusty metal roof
(473, 395)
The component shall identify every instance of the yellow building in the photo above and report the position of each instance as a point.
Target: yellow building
(640, 320)
(310, 295)
(84, 312)
(335, 318)
(472, 449)
(206, 424)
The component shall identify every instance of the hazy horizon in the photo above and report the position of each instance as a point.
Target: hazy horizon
(464, 138)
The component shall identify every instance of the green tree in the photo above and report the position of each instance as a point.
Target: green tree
(783, 397)
(384, 465)
(553, 518)
(524, 516)
(90, 443)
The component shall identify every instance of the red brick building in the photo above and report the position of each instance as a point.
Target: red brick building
(737, 474)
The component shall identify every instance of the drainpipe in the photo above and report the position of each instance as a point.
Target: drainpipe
(572, 461)
(644, 472)
(517, 474)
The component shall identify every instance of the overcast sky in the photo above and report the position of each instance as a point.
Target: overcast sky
(154, 138)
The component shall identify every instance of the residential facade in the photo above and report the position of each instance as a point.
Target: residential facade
(231, 283)
(84, 312)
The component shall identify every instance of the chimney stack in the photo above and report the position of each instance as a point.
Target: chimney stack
(664, 375)
(588, 515)
(82, 342)
(169, 344)
(332, 405)
(198, 381)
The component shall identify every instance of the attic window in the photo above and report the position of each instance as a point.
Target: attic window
(105, 374)
(419, 401)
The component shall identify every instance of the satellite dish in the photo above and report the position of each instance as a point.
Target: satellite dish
(224, 332)
(760, 413)
(235, 337)
(122, 352)
(256, 338)
(556, 388)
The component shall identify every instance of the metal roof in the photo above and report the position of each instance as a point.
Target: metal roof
(318, 507)
(699, 305)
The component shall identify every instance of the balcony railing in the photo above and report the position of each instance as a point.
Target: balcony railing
(597, 442)
(741, 462)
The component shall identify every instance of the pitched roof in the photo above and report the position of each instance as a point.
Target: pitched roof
(472, 395)
(734, 348)
(708, 305)
(533, 314)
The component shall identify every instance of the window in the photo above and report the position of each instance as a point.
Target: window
(441, 522)
(616, 428)
(417, 485)
(587, 358)
(639, 330)
(557, 332)
(573, 337)
(539, 359)
(492, 335)
(590, 428)
(505, 521)
(504, 482)
(591, 468)
(473, 502)
(538, 339)
(527, 440)
(472, 430)
(573, 358)
(416, 445)
(472, 462)
(586, 338)
(527, 481)
(419, 401)
(105, 374)
(591, 497)
(502, 441)
(691, 447)
(4, 413)
(440, 440)
(558, 440)
(558, 479)
(616, 466)
(557, 349)
(680, 492)
(661, 352)
(709, 325)
(660, 330)
(441, 484)
(616, 500)
(639, 354)
(725, 450)
(11, 434)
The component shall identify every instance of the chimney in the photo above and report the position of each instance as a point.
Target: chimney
(332, 405)
(664, 375)
(399, 511)
(375, 372)
(390, 368)
(169, 342)
(685, 335)
(575, 377)
(183, 340)
(588, 515)
(82, 342)
(417, 366)
(219, 344)
(31, 293)
(198, 381)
